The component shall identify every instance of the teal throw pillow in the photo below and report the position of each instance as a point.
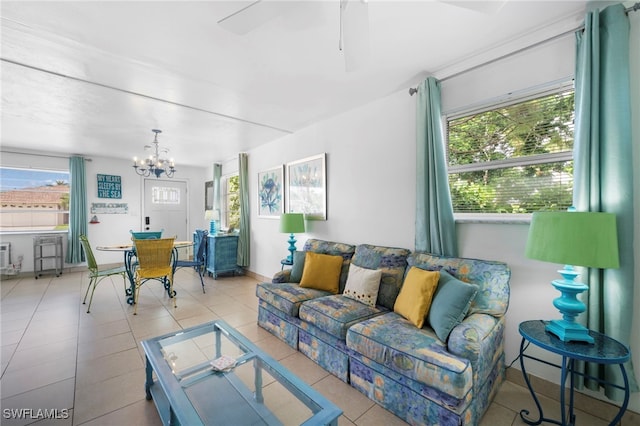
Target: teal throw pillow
(450, 304)
(298, 266)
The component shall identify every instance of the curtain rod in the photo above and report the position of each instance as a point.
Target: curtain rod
(414, 90)
(42, 155)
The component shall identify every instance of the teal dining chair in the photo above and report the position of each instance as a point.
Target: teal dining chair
(199, 258)
(96, 274)
(145, 235)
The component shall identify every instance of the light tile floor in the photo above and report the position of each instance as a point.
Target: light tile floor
(90, 367)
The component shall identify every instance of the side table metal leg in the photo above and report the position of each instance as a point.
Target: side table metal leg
(563, 380)
(623, 407)
(525, 412)
(572, 416)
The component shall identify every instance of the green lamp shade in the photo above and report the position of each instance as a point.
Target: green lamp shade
(292, 223)
(574, 238)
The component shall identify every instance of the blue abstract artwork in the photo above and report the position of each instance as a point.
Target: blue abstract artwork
(270, 196)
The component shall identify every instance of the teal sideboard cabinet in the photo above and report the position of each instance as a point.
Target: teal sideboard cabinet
(222, 254)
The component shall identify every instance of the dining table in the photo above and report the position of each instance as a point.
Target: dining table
(129, 261)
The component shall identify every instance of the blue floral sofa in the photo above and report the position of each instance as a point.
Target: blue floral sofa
(408, 370)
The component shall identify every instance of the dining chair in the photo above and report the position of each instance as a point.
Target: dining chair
(198, 262)
(96, 274)
(155, 262)
(142, 235)
(146, 235)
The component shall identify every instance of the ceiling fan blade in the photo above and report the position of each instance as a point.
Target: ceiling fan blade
(253, 14)
(488, 7)
(355, 34)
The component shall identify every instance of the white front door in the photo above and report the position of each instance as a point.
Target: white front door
(165, 208)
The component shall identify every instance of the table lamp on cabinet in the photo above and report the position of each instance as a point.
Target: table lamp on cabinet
(572, 238)
(292, 223)
(212, 216)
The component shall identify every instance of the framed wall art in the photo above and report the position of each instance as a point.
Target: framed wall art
(271, 192)
(307, 187)
(109, 186)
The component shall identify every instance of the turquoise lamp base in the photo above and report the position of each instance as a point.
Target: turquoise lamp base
(567, 329)
(292, 248)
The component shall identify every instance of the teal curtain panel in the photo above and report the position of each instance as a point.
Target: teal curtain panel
(217, 175)
(603, 179)
(78, 217)
(245, 226)
(435, 226)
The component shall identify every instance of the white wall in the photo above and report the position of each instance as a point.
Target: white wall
(113, 228)
(371, 185)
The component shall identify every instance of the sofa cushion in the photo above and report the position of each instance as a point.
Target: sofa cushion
(333, 248)
(418, 354)
(492, 279)
(321, 272)
(450, 304)
(286, 297)
(416, 294)
(363, 284)
(335, 314)
(391, 261)
(297, 267)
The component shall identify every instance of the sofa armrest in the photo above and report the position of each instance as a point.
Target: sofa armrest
(479, 338)
(281, 276)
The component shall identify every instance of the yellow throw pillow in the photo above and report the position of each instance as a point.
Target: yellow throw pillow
(321, 272)
(416, 294)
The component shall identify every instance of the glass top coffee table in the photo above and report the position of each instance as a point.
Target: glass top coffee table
(255, 390)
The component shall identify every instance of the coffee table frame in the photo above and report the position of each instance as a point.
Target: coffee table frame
(169, 390)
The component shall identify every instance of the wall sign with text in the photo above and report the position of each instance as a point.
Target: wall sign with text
(109, 186)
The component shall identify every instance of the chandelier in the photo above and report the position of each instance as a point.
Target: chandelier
(155, 164)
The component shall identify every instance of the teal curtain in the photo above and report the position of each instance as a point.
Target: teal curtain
(217, 174)
(245, 228)
(603, 180)
(77, 210)
(435, 226)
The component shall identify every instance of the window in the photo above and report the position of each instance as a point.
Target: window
(231, 202)
(164, 195)
(514, 158)
(34, 200)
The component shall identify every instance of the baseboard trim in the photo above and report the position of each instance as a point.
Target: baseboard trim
(258, 277)
(583, 402)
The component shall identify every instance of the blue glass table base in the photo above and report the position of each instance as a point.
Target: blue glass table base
(604, 350)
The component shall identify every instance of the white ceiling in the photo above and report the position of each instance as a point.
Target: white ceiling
(93, 78)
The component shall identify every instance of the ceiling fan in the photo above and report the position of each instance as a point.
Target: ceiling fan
(354, 22)
(354, 25)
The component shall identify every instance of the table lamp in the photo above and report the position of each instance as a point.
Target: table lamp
(292, 223)
(212, 216)
(574, 239)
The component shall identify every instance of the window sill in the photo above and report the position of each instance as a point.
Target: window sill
(34, 232)
(493, 218)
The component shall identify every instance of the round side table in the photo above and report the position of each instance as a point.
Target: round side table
(285, 262)
(604, 350)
